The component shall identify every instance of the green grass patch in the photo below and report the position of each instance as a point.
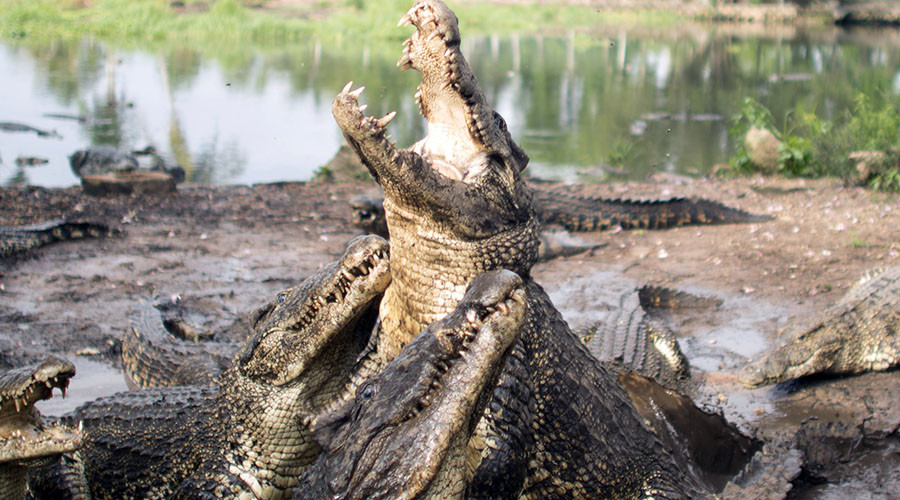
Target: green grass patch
(332, 21)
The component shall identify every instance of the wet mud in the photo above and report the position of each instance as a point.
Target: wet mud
(219, 252)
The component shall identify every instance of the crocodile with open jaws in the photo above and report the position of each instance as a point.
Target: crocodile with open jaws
(408, 431)
(247, 433)
(559, 423)
(858, 334)
(25, 441)
(17, 240)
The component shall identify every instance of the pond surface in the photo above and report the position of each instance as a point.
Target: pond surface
(610, 104)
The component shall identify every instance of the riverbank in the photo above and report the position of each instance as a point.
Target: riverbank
(224, 250)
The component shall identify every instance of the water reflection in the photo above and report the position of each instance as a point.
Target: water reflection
(611, 103)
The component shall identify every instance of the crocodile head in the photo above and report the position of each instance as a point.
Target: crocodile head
(813, 349)
(455, 202)
(24, 439)
(408, 432)
(305, 346)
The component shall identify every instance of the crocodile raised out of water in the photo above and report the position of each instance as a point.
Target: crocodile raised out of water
(559, 423)
(25, 442)
(247, 433)
(408, 431)
(858, 334)
(16, 240)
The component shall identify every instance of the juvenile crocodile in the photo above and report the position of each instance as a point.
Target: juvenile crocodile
(558, 424)
(860, 333)
(25, 441)
(248, 433)
(16, 240)
(408, 432)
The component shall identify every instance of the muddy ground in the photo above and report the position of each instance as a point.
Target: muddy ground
(224, 250)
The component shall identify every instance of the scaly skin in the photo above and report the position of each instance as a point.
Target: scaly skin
(368, 215)
(858, 334)
(24, 439)
(16, 240)
(153, 357)
(632, 337)
(558, 424)
(554, 206)
(248, 433)
(407, 434)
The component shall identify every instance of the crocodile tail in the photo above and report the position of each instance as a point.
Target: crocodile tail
(15, 240)
(594, 214)
(768, 476)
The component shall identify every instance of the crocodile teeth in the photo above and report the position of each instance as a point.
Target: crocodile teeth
(363, 107)
(471, 316)
(404, 21)
(503, 308)
(347, 87)
(404, 63)
(384, 120)
(347, 274)
(356, 93)
(433, 34)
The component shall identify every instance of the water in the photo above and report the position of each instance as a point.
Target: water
(610, 104)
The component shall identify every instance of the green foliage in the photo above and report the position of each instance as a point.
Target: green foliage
(812, 146)
(794, 153)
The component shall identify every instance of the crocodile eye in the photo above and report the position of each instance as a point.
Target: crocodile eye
(281, 297)
(368, 392)
(499, 121)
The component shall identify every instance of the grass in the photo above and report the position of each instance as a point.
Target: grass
(333, 21)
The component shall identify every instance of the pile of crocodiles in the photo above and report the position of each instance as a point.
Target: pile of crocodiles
(433, 365)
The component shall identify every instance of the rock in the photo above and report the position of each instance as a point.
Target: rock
(136, 183)
(762, 148)
(862, 162)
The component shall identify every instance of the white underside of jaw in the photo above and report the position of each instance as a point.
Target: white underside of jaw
(451, 153)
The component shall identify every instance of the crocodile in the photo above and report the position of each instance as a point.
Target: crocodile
(21, 127)
(160, 351)
(247, 433)
(559, 423)
(101, 160)
(17, 240)
(555, 206)
(408, 431)
(368, 215)
(25, 441)
(107, 159)
(633, 336)
(860, 333)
